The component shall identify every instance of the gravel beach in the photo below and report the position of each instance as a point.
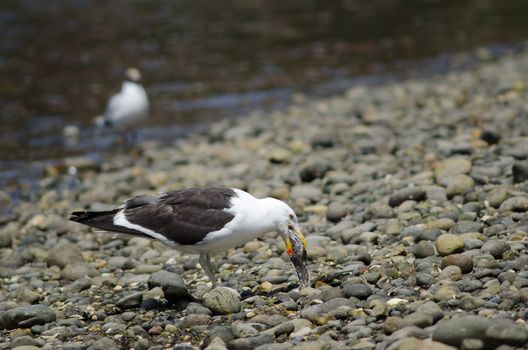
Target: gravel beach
(412, 196)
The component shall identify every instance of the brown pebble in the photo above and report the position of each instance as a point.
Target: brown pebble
(465, 262)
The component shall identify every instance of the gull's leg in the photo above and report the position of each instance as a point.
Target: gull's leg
(205, 263)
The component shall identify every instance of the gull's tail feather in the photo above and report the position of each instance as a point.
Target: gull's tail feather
(103, 220)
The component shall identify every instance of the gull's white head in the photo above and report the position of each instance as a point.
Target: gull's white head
(287, 225)
(133, 74)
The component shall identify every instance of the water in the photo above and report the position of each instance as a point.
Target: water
(205, 60)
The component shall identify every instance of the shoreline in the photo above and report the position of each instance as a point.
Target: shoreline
(413, 197)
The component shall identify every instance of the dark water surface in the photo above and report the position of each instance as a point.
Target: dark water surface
(204, 60)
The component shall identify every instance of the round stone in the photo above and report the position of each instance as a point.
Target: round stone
(449, 243)
(222, 300)
(465, 262)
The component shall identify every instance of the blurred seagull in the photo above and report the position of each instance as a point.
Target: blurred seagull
(129, 107)
(205, 221)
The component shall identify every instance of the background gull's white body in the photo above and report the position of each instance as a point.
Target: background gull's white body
(127, 108)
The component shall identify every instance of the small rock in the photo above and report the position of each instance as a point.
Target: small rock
(222, 300)
(470, 302)
(449, 243)
(464, 226)
(460, 184)
(308, 192)
(130, 301)
(103, 344)
(451, 167)
(336, 211)
(359, 291)
(419, 319)
(455, 330)
(315, 169)
(392, 324)
(498, 195)
(495, 247)
(280, 156)
(27, 295)
(411, 193)
(173, 285)
(65, 253)
(423, 249)
(516, 204)
(251, 343)
(193, 320)
(216, 344)
(520, 172)
(243, 330)
(26, 316)
(507, 332)
(491, 136)
(445, 293)
(75, 271)
(465, 262)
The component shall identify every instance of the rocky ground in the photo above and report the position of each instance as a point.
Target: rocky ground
(413, 197)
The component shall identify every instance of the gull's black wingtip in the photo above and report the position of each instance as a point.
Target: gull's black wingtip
(77, 216)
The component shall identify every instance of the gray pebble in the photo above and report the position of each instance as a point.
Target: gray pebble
(411, 193)
(423, 249)
(454, 331)
(495, 247)
(359, 291)
(65, 253)
(26, 316)
(130, 301)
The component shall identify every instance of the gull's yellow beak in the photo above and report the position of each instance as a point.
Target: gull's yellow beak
(296, 247)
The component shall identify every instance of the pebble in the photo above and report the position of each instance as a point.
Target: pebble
(26, 316)
(460, 184)
(454, 331)
(449, 243)
(465, 262)
(222, 301)
(495, 247)
(423, 249)
(65, 253)
(411, 193)
(130, 301)
(520, 172)
(507, 332)
(359, 291)
(451, 167)
(516, 204)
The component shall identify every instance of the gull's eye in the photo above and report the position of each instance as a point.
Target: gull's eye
(291, 216)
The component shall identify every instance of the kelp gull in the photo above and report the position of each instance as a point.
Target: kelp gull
(204, 221)
(130, 106)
